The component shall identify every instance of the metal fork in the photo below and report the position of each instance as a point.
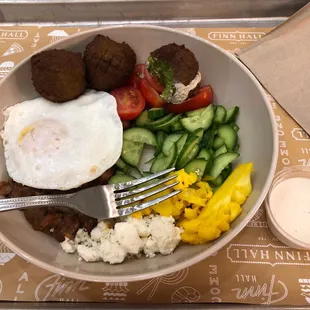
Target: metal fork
(102, 202)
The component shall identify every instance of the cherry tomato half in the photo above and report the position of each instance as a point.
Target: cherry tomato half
(151, 95)
(153, 81)
(137, 75)
(201, 99)
(130, 102)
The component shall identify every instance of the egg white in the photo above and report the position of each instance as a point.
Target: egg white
(62, 146)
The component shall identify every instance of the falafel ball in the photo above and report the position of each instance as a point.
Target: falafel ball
(108, 63)
(182, 61)
(58, 75)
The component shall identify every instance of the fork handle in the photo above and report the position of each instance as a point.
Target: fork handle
(33, 201)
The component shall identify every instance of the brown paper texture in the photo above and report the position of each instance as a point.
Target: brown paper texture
(281, 60)
(255, 268)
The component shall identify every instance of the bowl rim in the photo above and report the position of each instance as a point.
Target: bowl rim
(217, 244)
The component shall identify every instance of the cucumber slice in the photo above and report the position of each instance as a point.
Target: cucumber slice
(131, 152)
(156, 113)
(192, 155)
(235, 127)
(198, 133)
(181, 142)
(220, 115)
(117, 171)
(217, 143)
(160, 137)
(204, 154)
(207, 155)
(150, 160)
(202, 120)
(197, 165)
(121, 165)
(236, 149)
(169, 123)
(220, 162)
(119, 178)
(189, 145)
(134, 172)
(226, 172)
(153, 124)
(176, 126)
(220, 150)
(140, 135)
(218, 181)
(142, 119)
(209, 137)
(231, 114)
(228, 135)
(196, 112)
(163, 162)
(170, 140)
(146, 173)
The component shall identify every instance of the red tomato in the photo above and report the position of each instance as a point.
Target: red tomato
(136, 76)
(130, 102)
(201, 99)
(153, 81)
(150, 94)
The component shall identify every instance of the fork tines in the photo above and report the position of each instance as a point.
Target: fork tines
(134, 191)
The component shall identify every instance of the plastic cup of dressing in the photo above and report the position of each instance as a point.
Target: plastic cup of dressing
(288, 207)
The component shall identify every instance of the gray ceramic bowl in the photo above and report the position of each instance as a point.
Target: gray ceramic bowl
(233, 84)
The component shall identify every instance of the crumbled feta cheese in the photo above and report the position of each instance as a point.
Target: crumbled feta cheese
(68, 246)
(165, 234)
(112, 253)
(182, 91)
(82, 237)
(141, 226)
(101, 230)
(130, 238)
(150, 247)
(89, 254)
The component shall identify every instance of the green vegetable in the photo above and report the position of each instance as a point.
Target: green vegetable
(163, 71)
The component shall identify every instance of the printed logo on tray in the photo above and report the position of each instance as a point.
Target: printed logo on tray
(264, 293)
(267, 254)
(15, 48)
(185, 295)
(235, 36)
(115, 291)
(170, 279)
(299, 134)
(255, 221)
(305, 289)
(57, 35)
(56, 287)
(36, 39)
(6, 67)
(13, 34)
(5, 254)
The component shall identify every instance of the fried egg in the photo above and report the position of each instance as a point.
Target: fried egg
(61, 146)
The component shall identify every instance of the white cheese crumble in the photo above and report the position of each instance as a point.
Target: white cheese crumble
(149, 235)
(182, 91)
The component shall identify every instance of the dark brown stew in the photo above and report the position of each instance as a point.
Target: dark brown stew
(59, 222)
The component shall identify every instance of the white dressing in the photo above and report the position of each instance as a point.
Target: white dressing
(290, 206)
